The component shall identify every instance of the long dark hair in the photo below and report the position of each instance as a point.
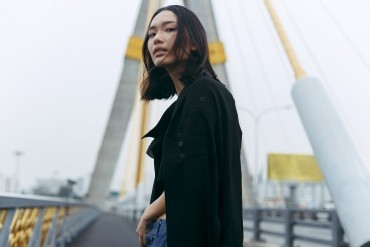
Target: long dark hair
(156, 82)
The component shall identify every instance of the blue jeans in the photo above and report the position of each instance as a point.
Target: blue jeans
(156, 235)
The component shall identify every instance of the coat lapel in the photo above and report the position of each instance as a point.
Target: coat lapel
(180, 100)
(162, 124)
(170, 113)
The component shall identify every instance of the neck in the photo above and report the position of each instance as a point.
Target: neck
(175, 76)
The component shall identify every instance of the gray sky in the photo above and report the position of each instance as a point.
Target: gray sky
(60, 62)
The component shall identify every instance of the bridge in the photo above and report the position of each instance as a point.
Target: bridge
(40, 221)
(315, 199)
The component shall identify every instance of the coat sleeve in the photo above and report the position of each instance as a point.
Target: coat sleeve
(191, 173)
(212, 127)
(231, 190)
(226, 141)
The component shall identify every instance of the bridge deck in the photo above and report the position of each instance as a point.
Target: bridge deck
(113, 231)
(108, 230)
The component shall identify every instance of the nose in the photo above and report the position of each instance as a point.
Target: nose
(157, 38)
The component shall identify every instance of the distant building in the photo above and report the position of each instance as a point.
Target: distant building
(59, 187)
(49, 186)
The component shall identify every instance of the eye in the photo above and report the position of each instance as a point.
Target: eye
(170, 30)
(151, 35)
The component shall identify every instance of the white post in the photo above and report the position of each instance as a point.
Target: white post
(346, 174)
(17, 174)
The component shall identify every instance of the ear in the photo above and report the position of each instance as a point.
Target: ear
(193, 48)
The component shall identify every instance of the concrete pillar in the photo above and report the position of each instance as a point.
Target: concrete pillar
(118, 120)
(346, 174)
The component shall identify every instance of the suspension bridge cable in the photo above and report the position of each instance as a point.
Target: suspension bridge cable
(263, 70)
(304, 41)
(247, 77)
(309, 50)
(345, 35)
(243, 63)
(281, 55)
(339, 106)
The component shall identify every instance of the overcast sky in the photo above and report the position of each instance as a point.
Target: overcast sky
(60, 63)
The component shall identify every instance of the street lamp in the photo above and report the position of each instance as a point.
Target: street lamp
(18, 155)
(257, 118)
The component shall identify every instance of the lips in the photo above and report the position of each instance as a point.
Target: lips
(159, 51)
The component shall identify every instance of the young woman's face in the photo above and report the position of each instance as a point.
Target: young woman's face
(162, 35)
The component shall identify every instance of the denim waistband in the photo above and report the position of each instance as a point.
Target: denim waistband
(160, 223)
(157, 234)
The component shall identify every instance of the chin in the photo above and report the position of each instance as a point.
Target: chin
(162, 65)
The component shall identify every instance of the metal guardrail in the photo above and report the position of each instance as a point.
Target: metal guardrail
(32, 221)
(130, 213)
(128, 210)
(285, 219)
(288, 219)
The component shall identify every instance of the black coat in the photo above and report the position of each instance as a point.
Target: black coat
(198, 167)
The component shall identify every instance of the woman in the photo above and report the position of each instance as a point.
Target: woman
(196, 197)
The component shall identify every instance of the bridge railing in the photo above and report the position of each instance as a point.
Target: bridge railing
(33, 221)
(286, 222)
(289, 220)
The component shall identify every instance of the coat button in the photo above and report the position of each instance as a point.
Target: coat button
(179, 134)
(180, 143)
(182, 156)
(202, 99)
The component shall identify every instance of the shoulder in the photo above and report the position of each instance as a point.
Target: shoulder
(209, 94)
(208, 82)
(208, 86)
